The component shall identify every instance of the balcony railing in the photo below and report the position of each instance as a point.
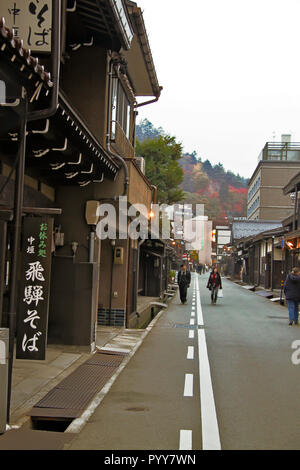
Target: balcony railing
(119, 139)
(287, 151)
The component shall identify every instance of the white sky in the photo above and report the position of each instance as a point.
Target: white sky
(231, 75)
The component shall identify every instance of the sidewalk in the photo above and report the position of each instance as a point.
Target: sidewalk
(32, 380)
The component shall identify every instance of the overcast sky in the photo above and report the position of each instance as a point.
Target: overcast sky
(231, 75)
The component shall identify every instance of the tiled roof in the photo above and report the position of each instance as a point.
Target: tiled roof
(21, 57)
(248, 228)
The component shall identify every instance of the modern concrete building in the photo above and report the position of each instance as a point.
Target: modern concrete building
(278, 163)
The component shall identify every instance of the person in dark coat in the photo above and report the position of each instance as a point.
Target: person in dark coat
(214, 284)
(292, 294)
(183, 280)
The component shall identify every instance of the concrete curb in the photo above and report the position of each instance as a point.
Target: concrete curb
(78, 424)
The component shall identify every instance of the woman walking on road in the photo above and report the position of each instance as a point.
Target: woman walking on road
(214, 284)
(292, 294)
(183, 280)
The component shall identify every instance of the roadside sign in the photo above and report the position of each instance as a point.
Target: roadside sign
(35, 288)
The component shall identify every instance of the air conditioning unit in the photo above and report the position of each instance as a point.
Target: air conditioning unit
(141, 164)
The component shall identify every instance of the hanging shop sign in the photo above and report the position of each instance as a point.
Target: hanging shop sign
(32, 316)
(31, 21)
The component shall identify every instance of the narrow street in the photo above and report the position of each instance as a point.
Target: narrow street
(119, 187)
(156, 404)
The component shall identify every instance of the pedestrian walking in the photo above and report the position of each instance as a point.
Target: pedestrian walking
(214, 284)
(291, 290)
(183, 280)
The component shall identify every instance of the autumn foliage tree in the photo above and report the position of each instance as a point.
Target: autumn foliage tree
(161, 155)
(187, 178)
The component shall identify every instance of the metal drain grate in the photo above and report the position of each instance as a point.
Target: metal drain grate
(71, 396)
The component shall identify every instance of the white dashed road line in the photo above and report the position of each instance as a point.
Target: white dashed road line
(188, 385)
(190, 353)
(185, 440)
(210, 429)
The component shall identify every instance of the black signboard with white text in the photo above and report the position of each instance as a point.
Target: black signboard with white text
(32, 315)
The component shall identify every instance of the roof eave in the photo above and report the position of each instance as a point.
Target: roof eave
(142, 35)
(292, 184)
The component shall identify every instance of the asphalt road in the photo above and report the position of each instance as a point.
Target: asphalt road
(206, 377)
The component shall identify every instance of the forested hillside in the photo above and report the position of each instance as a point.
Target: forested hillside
(223, 193)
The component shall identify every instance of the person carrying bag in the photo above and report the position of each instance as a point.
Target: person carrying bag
(214, 285)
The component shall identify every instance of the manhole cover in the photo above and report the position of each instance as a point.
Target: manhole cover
(188, 326)
(185, 325)
(137, 409)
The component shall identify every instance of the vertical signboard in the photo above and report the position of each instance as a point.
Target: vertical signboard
(32, 321)
(31, 21)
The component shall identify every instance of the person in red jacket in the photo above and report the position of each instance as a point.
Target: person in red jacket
(214, 284)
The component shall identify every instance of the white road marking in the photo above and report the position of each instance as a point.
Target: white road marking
(192, 321)
(192, 314)
(191, 334)
(188, 385)
(190, 353)
(210, 429)
(199, 308)
(185, 440)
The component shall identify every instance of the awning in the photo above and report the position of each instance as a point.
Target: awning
(64, 149)
(290, 235)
